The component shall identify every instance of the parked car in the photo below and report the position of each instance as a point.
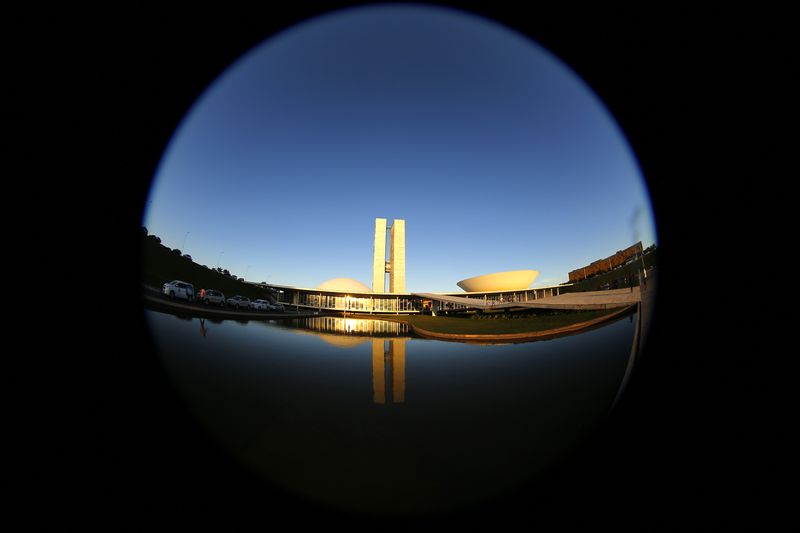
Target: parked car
(260, 305)
(179, 289)
(213, 296)
(239, 301)
(277, 306)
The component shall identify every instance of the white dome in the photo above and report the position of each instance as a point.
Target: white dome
(344, 285)
(499, 281)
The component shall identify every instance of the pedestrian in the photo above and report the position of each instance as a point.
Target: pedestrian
(202, 295)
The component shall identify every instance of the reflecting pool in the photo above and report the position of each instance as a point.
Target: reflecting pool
(360, 415)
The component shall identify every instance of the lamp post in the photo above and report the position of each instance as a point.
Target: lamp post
(219, 256)
(184, 241)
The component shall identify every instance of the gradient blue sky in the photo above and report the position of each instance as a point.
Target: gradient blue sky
(494, 152)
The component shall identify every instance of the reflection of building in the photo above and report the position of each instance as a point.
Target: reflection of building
(388, 367)
(352, 326)
(388, 348)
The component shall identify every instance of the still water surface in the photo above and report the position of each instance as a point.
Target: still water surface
(359, 415)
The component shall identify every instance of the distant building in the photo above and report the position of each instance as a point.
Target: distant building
(606, 264)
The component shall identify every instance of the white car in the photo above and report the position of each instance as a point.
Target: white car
(239, 301)
(260, 305)
(179, 289)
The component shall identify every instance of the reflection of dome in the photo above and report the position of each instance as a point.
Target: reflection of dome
(343, 341)
(500, 281)
(344, 285)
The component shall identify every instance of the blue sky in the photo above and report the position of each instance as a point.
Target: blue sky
(497, 155)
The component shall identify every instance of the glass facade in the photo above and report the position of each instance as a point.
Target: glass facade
(400, 303)
(379, 303)
(526, 295)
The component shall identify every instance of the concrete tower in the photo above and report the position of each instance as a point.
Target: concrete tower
(379, 257)
(397, 257)
(396, 265)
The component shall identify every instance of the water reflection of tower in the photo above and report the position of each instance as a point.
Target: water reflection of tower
(389, 353)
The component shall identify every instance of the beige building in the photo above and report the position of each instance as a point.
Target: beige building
(348, 295)
(396, 265)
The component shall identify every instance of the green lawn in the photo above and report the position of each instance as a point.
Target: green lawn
(489, 326)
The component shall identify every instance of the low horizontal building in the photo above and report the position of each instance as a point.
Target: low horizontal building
(336, 299)
(348, 295)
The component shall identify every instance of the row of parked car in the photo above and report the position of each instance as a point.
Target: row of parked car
(185, 291)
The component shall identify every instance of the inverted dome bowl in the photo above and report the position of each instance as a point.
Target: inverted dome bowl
(500, 281)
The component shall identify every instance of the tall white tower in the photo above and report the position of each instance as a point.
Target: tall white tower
(396, 265)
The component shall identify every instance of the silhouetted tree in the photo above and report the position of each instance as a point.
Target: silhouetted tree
(144, 231)
(176, 251)
(225, 271)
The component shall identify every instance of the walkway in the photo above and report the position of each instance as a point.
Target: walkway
(585, 301)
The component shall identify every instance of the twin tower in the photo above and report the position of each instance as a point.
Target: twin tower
(396, 265)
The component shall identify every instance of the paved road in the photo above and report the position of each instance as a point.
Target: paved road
(158, 300)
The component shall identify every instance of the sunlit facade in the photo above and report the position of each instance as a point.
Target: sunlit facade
(348, 301)
(396, 265)
(405, 303)
(347, 295)
(499, 281)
